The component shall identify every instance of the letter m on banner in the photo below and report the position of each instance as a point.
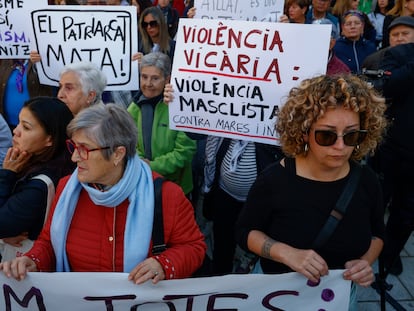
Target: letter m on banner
(33, 292)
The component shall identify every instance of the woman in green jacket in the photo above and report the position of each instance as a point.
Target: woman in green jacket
(167, 151)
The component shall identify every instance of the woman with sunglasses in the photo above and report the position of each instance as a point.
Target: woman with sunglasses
(154, 36)
(326, 126)
(31, 169)
(110, 200)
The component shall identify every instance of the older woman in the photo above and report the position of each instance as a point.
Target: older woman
(81, 85)
(352, 48)
(31, 170)
(168, 152)
(325, 126)
(110, 199)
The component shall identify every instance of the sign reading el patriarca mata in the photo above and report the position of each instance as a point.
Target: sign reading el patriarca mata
(104, 35)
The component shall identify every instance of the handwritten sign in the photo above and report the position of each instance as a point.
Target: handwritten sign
(252, 10)
(104, 35)
(15, 30)
(230, 77)
(112, 291)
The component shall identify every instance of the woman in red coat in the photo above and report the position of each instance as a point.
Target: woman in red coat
(102, 215)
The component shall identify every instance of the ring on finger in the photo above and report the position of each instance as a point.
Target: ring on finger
(155, 273)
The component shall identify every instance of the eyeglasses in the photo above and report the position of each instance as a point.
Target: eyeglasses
(82, 150)
(328, 138)
(152, 24)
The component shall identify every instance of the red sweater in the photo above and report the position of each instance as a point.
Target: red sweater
(95, 241)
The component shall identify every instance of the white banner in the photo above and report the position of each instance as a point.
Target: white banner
(112, 291)
(15, 27)
(250, 10)
(230, 77)
(104, 35)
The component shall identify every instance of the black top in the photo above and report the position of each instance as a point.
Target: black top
(292, 209)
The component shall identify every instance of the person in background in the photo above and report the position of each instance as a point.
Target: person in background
(230, 168)
(401, 31)
(179, 5)
(5, 138)
(377, 17)
(171, 16)
(141, 5)
(112, 186)
(19, 82)
(400, 8)
(352, 48)
(343, 6)
(396, 155)
(189, 10)
(327, 124)
(35, 162)
(154, 35)
(296, 11)
(81, 85)
(168, 152)
(321, 9)
(335, 65)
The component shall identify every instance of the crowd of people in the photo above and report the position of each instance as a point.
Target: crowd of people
(75, 157)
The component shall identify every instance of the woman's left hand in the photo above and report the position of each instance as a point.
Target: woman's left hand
(149, 269)
(15, 160)
(360, 272)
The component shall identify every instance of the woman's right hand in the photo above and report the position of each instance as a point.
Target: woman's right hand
(306, 262)
(284, 19)
(35, 57)
(137, 57)
(18, 267)
(16, 160)
(191, 12)
(168, 93)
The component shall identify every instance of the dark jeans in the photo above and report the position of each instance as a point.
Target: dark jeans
(225, 210)
(397, 178)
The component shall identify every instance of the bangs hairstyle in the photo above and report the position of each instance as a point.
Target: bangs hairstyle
(308, 102)
(107, 125)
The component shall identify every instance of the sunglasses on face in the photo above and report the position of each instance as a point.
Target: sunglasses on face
(329, 138)
(152, 24)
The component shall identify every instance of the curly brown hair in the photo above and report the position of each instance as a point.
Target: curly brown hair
(309, 101)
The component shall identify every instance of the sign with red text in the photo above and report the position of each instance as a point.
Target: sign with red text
(251, 10)
(112, 291)
(104, 35)
(15, 30)
(230, 77)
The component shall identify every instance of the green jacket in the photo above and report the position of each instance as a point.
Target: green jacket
(172, 151)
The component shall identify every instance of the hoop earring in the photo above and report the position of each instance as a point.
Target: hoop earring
(306, 148)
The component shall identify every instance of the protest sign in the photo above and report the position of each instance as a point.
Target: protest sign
(252, 10)
(230, 77)
(15, 30)
(104, 35)
(112, 291)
